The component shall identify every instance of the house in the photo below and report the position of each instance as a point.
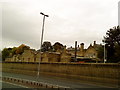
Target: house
(61, 54)
(90, 52)
(28, 56)
(65, 56)
(48, 57)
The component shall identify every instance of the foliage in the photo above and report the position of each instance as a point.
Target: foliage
(14, 50)
(9, 52)
(112, 41)
(46, 46)
(101, 52)
(113, 37)
(21, 49)
(117, 53)
(5, 53)
(57, 46)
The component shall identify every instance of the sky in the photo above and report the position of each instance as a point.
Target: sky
(83, 21)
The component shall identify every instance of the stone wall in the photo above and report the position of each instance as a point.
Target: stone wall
(105, 73)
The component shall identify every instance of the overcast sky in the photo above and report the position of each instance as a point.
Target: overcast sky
(69, 21)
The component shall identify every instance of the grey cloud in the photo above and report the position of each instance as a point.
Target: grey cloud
(81, 20)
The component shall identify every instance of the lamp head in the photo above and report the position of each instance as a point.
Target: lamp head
(44, 14)
(41, 13)
(47, 15)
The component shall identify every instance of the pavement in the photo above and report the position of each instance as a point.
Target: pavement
(74, 84)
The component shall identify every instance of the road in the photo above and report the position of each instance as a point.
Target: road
(57, 81)
(11, 85)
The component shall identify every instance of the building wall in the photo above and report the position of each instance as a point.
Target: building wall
(65, 57)
(48, 57)
(45, 57)
(54, 57)
(7, 59)
(27, 56)
(91, 53)
(13, 59)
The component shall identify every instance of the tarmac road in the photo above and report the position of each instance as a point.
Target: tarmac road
(57, 81)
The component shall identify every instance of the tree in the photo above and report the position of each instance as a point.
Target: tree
(113, 37)
(14, 50)
(112, 41)
(117, 53)
(101, 52)
(57, 46)
(5, 53)
(9, 52)
(21, 49)
(46, 46)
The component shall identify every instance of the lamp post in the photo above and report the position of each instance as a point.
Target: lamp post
(44, 15)
(104, 53)
(75, 51)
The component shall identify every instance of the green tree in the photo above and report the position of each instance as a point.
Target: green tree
(5, 53)
(101, 52)
(9, 52)
(57, 46)
(14, 50)
(112, 40)
(117, 53)
(46, 46)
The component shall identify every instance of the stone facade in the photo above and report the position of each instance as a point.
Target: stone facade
(48, 57)
(28, 56)
(63, 55)
(90, 52)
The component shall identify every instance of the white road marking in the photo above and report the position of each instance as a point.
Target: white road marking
(15, 84)
(40, 82)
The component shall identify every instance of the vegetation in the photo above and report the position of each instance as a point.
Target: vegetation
(9, 52)
(46, 46)
(6, 52)
(112, 41)
(101, 53)
(21, 49)
(57, 46)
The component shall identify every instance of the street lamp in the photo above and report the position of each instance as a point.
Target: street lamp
(41, 41)
(104, 53)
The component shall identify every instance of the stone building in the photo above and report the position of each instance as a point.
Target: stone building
(60, 55)
(65, 56)
(90, 52)
(48, 57)
(28, 56)
(81, 51)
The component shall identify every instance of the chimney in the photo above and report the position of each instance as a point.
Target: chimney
(82, 47)
(94, 42)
